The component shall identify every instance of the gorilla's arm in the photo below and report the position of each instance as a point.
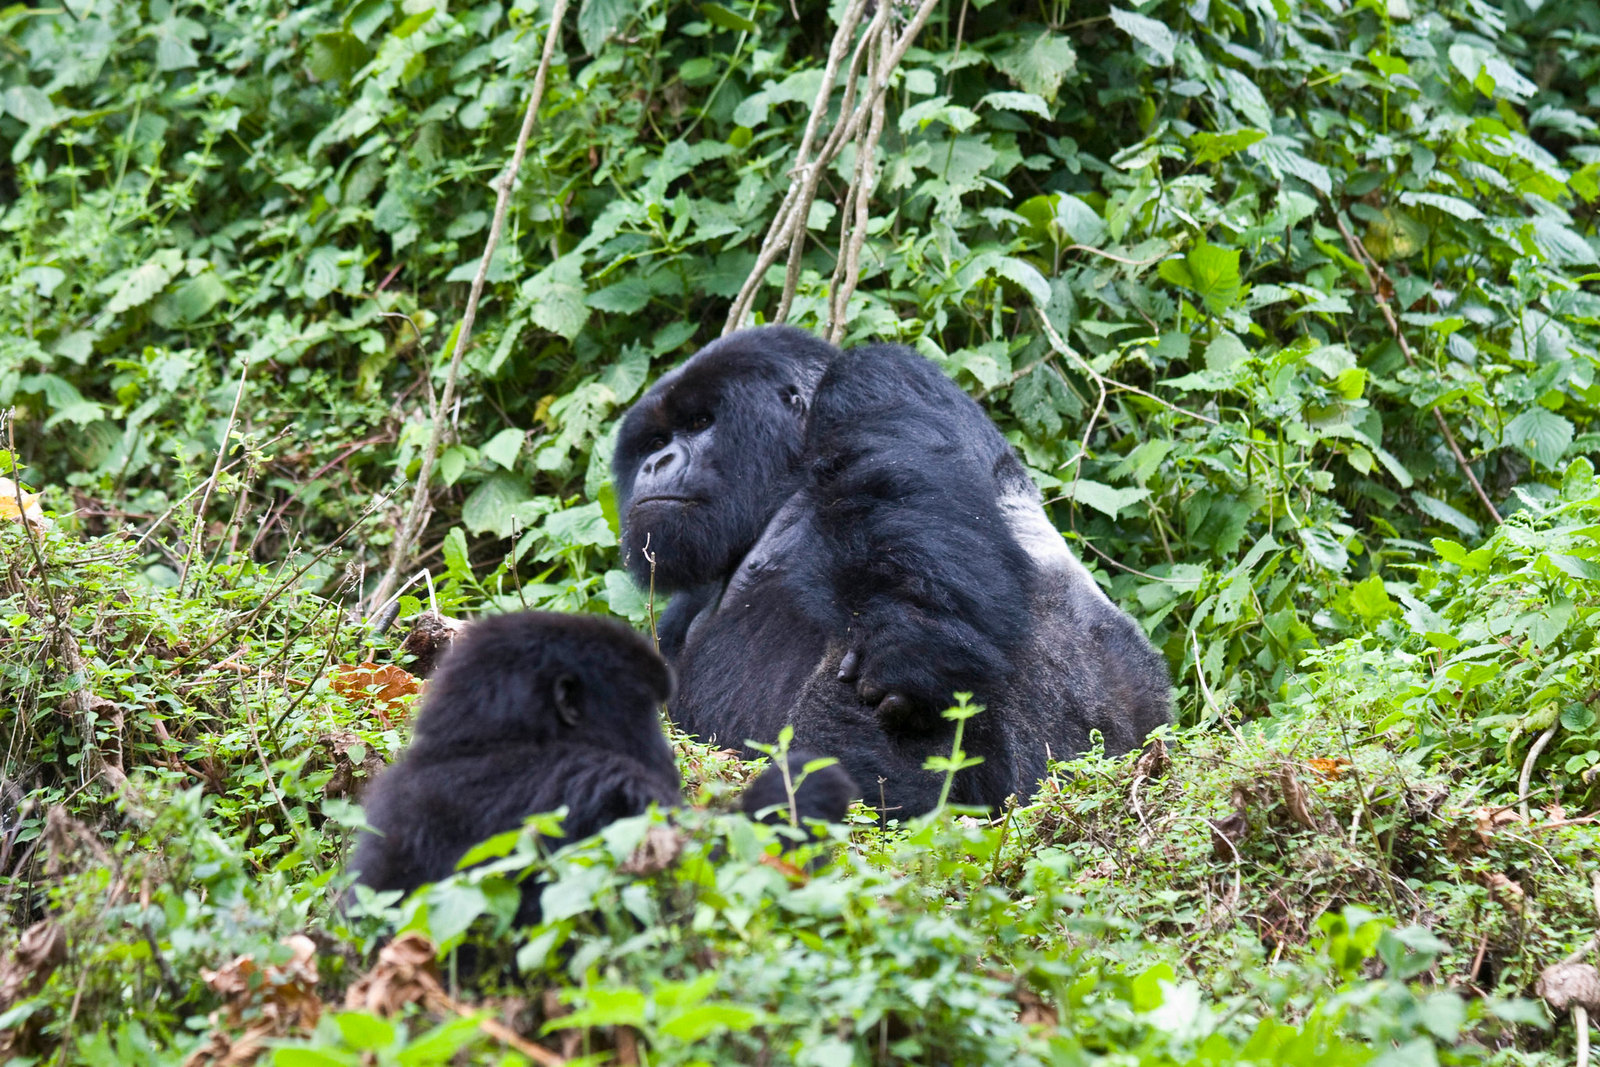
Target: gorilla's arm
(672, 626)
(907, 473)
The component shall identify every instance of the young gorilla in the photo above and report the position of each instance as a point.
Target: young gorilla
(530, 712)
(850, 542)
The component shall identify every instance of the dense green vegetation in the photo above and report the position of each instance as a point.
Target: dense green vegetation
(1290, 309)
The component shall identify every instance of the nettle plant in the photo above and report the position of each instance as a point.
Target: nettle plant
(1490, 655)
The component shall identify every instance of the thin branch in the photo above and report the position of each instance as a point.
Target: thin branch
(788, 224)
(422, 502)
(1116, 258)
(211, 482)
(1376, 275)
(1527, 768)
(855, 213)
(796, 204)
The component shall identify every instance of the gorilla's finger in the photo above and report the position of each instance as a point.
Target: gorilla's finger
(850, 666)
(894, 706)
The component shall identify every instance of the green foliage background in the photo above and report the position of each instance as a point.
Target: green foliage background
(299, 195)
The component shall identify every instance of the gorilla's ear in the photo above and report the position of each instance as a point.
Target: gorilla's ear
(569, 698)
(793, 398)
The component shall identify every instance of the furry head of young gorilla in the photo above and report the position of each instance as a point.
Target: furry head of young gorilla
(530, 712)
(851, 542)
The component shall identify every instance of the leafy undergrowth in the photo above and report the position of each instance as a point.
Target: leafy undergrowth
(1333, 883)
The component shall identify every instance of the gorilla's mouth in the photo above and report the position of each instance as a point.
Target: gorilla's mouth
(661, 498)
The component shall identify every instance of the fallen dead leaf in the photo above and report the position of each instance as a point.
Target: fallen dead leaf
(1330, 768)
(658, 851)
(269, 1002)
(430, 638)
(1154, 762)
(405, 974)
(1486, 821)
(1294, 797)
(20, 506)
(349, 779)
(383, 685)
(1506, 891)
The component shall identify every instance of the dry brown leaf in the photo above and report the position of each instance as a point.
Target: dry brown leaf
(785, 868)
(270, 1002)
(429, 639)
(404, 975)
(658, 851)
(20, 506)
(40, 950)
(1154, 762)
(1294, 797)
(383, 685)
(1032, 1010)
(348, 779)
(1330, 768)
(1506, 891)
(1485, 821)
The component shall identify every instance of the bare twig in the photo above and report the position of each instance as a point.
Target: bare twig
(789, 222)
(796, 204)
(211, 482)
(1376, 275)
(1205, 690)
(1527, 768)
(422, 501)
(854, 214)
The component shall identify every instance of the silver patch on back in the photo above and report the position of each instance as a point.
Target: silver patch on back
(1031, 527)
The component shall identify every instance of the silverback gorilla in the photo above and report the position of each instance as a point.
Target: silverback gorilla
(529, 712)
(850, 541)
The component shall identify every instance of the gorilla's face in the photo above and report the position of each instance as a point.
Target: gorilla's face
(707, 456)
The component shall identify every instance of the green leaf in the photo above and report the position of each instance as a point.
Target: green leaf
(1577, 717)
(1212, 272)
(1450, 205)
(30, 106)
(1104, 498)
(1038, 63)
(1446, 514)
(145, 281)
(1325, 548)
(1152, 33)
(493, 505)
(1540, 434)
(707, 1019)
(1027, 276)
(336, 56)
(1028, 103)
(1371, 600)
(599, 19)
(556, 297)
(1210, 147)
(505, 447)
(363, 1031)
(718, 15)
(198, 295)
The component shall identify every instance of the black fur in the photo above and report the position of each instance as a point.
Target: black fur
(530, 712)
(851, 541)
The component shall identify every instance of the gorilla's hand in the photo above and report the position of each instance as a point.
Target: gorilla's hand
(908, 666)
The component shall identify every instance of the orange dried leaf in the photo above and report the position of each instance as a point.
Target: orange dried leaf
(383, 685)
(18, 506)
(1330, 768)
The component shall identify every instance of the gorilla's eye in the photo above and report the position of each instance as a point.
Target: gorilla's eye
(699, 422)
(657, 443)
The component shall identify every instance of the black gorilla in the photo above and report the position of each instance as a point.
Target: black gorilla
(851, 541)
(529, 712)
